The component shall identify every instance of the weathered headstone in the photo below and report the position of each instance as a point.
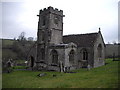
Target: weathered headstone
(88, 67)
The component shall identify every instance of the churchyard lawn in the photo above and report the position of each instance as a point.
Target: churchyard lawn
(102, 77)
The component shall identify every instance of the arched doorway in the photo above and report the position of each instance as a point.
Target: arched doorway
(71, 56)
(99, 49)
(32, 61)
(54, 55)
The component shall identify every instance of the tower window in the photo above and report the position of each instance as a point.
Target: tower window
(56, 19)
(44, 21)
(42, 36)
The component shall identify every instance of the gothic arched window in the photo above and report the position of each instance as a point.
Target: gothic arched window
(71, 56)
(84, 54)
(99, 50)
(54, 57)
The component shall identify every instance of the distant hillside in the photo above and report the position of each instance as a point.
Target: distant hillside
(7, 51)
(7, 42)
(15, 49)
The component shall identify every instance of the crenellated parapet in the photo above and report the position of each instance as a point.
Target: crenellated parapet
(51, 10)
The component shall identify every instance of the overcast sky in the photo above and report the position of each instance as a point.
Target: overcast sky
(81, 16)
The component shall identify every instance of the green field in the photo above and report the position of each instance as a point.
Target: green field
(6, 42)
(101, 77)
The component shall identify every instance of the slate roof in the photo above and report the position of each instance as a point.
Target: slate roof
(82, 40)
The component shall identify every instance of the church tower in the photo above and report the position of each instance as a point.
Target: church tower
(50, 31)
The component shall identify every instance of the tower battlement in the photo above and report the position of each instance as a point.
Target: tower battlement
(51, 10)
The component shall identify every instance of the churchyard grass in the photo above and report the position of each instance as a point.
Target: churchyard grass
(101, 77)
(19, 67)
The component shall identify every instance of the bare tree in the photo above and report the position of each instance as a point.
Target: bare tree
(22, 36)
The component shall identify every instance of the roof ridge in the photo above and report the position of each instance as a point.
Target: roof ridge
(80, 34)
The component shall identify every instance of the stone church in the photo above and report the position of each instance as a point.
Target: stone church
(56, 52)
